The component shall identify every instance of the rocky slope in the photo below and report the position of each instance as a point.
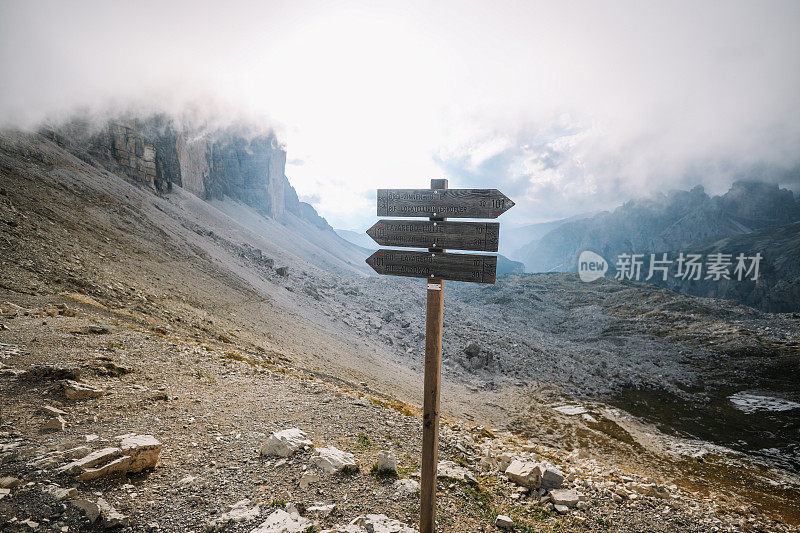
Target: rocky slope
(100, 276)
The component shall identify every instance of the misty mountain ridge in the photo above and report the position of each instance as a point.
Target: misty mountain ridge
(676, 221)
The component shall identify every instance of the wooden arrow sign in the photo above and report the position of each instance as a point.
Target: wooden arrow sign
(436, 265)
(442, 203)
(478, 236)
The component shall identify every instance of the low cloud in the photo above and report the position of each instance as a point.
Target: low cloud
(566, 107)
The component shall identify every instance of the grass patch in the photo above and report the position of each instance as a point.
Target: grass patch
(400, 407)
(363, 440)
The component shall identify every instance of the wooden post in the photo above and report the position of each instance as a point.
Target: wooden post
(430, 406)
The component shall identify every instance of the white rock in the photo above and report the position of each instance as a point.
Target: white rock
(285, 443)
(552, 478)
(525, 473)
(57, 423)
(144, 451)
(561, 508)
(570, 410)
(9, 482)
(52, 411)
(332, 460)
(238, 513)
(111, 517)
(60, 493)
(404, 487)
(380, 523)
(135, 454)
(89, 509)
(387, 463)
(307, 479)
(567, 497)
(503, 522)
(4, 493)
(321, 510)
(91, 460)
(75, 390)
(282, 522)
(450, 470)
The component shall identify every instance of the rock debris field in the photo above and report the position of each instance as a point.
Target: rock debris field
(160, 432)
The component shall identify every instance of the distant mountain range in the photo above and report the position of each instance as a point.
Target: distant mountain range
(683, 221)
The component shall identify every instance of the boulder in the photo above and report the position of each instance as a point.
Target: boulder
(144, 451)
(9, 482)
(552, 478)
(285, 443)
(282, 522)
(567, 497)
(380, 523)
(404, 487)
(59, 493)
(503, 522)
(282, 271)
(332, 460)
(387, 463)
(450, 470)
(88, 508)
(111, 517)
(525, 473)
(472, 349)
(136, 453)
(93, 459)
(75, 390)
(57, 423)
(237, 513)
(320, 509)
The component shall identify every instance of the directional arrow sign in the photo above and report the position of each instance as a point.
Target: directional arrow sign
(444, 203)
(479, 236)
(437, 265)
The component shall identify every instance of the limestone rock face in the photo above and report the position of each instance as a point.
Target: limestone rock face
(240, 161)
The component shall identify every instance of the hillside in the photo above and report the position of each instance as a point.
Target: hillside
(178, 309)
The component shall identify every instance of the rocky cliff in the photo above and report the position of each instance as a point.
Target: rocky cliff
(237, 161)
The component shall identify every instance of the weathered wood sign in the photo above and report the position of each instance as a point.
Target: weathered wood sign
(435, 265)
(478, 236)
(449, 203)
(436, 234)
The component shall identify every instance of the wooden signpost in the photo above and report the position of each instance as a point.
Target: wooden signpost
(436, 234)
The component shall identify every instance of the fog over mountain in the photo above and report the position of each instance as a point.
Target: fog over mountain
(566, 108)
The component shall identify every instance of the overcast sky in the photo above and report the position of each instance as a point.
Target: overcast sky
(567, 107)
